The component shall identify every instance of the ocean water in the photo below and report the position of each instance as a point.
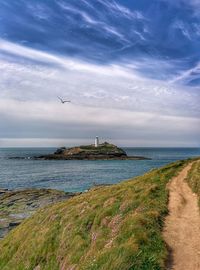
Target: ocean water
(76, 175)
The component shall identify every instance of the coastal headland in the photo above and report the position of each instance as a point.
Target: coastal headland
(109, 227)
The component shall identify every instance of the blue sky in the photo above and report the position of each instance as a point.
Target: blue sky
(131, 69)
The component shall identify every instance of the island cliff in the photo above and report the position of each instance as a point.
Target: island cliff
(104, 151)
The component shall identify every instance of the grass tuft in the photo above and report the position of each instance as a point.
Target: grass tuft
(193, 179)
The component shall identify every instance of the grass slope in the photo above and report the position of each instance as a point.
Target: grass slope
(110, 228)
(103, 148)
(193, 179)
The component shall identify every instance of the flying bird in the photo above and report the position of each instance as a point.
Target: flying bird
(63, 101)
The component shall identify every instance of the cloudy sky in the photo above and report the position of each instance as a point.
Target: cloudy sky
(131, 69)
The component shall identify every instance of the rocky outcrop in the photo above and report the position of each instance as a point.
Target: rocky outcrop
(104, 151)
(15, 206)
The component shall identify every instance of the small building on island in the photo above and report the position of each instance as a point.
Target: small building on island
(96, 143)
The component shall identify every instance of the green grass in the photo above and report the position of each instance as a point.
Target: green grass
(193, 179)
(116, 227)
(104, 148)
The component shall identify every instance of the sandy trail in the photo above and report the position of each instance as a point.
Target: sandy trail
(182, 225)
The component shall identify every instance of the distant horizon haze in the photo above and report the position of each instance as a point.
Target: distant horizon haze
(46, 143)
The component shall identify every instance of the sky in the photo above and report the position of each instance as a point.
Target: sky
(130, 68)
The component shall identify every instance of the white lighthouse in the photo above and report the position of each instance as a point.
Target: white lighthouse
(96, 143)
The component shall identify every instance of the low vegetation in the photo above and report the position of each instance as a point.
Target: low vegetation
(17, 205)
(115, 227)
(193, 179)
(105, 146)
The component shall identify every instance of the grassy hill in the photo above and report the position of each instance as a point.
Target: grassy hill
(193, 179)
(115, 227)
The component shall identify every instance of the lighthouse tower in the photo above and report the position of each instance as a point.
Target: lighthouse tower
(96, 143)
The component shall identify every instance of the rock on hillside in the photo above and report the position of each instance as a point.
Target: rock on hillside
(15, 206)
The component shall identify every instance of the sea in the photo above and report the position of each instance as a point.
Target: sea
(80, 175)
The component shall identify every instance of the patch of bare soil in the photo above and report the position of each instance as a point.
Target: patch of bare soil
(182, 225)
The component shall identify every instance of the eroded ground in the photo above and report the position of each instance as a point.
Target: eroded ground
(182, 227)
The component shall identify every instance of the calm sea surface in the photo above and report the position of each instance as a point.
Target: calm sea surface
(79, 175)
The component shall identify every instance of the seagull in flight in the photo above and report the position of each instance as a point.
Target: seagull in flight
(63, 101)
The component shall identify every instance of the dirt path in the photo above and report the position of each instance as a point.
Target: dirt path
(182, 225)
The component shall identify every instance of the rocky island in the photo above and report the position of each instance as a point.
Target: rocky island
(104, 151)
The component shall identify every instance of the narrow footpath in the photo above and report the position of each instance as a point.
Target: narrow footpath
(182, 225)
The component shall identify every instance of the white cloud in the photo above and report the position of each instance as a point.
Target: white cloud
(112, 100)
(188, 75)
(54, 122)
(118, 9)
(101, 25)
(183, 27)
(39, 11)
